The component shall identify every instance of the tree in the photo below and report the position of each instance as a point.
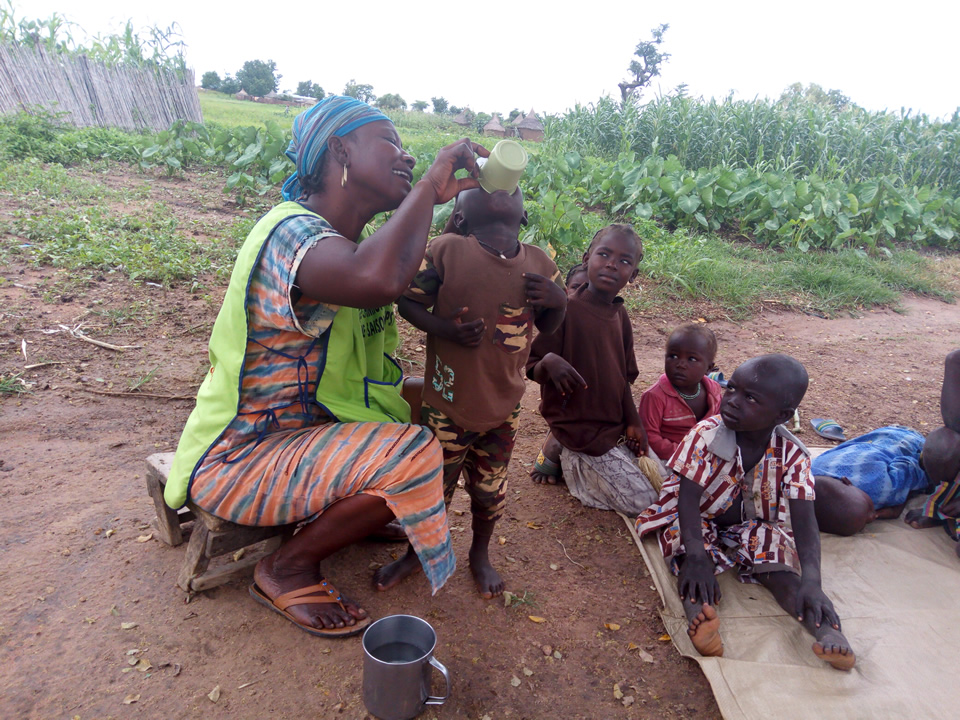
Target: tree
(310, 89)
(439, 105)
(454, 110)
(514, 114)
(258, 77)
(481, 119)
(647, 65)
(210, 81)
(816, 95)
(420, 105)
(229, 85)
(391, 101)
(360, 91)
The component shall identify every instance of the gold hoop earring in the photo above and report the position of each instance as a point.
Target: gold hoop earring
(343, 178)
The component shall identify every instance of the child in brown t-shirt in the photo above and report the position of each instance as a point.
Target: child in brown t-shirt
(487, 290)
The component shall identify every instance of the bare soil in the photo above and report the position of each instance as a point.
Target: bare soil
(75, 565)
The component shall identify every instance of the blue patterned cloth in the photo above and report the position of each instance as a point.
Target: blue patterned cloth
(334, 116)
(884, 463)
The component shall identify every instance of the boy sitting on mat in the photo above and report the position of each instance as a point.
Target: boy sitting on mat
(585, 370)
(741, 494)
(941, 459)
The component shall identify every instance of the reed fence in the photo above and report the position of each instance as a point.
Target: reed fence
(91, 93)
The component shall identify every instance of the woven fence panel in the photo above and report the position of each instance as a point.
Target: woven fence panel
(90, 93)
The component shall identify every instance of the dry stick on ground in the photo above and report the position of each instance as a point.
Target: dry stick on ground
(99, 343)
(568, 556)
(137, 394)
(43, 364)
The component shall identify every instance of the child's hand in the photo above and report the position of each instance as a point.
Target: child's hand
(468, 334)
(543, 293)
(810, 597)
(636, 439)
(697, 581)
(562, 374)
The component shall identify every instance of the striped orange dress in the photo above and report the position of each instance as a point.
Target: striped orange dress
(282, 460)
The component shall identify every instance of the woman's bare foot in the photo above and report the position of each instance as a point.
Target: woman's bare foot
(274, 581)
(549, 457)
(488, 580)
(833, 647)
(917, 520)
(704, 631)
(389, 575)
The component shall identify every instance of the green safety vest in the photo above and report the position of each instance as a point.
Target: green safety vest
(358, 380)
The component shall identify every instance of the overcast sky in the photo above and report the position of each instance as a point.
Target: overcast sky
(500, 55)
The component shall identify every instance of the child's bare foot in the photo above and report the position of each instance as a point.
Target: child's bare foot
(274, 582)
(546, 470)
(917, 520)
(488, 580)
(704, 631)
(833, 647)
(389, 575)
(391, 532)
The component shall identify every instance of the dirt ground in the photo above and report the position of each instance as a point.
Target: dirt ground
(78, 564)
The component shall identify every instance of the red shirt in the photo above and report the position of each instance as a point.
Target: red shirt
(667, 418)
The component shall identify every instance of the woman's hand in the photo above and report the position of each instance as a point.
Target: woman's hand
(453, 157)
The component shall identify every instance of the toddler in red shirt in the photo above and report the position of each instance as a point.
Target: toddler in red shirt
(684, 395)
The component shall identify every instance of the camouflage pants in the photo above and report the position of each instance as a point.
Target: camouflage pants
(481, 456)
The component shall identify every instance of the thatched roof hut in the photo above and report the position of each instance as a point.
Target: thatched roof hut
(242, 95)
(530, 128)
(494, 128)
(462, 119)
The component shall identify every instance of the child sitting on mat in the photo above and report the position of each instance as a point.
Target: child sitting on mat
(487, 290)
(585, 370)
(683, 395)
(741, 494)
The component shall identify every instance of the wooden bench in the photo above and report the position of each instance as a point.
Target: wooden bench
(211, 538)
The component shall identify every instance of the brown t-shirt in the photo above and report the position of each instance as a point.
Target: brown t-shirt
(597, 340)
(478, 387)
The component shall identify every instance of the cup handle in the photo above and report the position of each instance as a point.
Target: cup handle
(446, 676)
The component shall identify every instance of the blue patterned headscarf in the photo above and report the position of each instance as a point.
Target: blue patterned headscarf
(333, 116)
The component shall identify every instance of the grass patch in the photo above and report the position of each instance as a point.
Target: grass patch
(144, 245)
(13, 385)
(227, 111)
(740, 278)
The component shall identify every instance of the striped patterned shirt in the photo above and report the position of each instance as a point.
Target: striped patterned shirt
(709, 456)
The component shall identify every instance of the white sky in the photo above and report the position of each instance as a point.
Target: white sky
(551, 55)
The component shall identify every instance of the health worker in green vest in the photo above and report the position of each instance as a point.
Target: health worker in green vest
(300, 419)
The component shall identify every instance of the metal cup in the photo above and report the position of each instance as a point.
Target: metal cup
(397, 655)
(502, 170)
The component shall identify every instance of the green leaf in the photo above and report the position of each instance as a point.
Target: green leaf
(150, 151)
(689, 203)
(868, 191)
(702, 220)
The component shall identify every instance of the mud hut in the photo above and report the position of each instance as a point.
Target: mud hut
(462, 120)
(530, 128)
(242, 95)
(494, 128)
